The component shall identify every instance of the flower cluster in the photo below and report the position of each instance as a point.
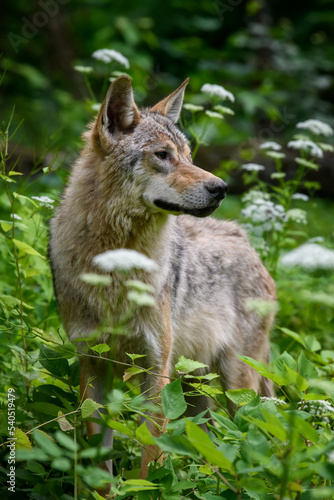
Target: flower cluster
(44, 201)
(265, 216)
(218, 91)
(108, 55)
(300, 196)
(309, 256)
(316, 127)
(271, 145)
(297, 215)
(124, 260)
(318, 408)
(252, 167)
(306, 145)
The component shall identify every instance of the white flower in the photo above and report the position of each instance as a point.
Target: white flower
(271, 145)
(124, 260)
(300, 196)
(108, 55)
(297, 215)
(266, 213)
(306, 145)
(44, 201)
(317, 127)
(254, 195)
(252, 167)
(276, 401)
(316, 239)
(310, 256)
(15, 216)
(217, 90)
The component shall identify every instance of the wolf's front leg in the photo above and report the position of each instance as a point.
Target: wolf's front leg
(159, 346)
(95, 383)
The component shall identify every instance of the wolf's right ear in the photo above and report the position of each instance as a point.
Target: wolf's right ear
(118, 112)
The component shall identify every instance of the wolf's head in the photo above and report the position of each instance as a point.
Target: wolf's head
(146, 157)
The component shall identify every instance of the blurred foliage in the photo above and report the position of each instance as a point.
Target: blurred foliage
(277, 57)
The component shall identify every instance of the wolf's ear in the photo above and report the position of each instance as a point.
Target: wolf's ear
(171, 106)
(118, 112)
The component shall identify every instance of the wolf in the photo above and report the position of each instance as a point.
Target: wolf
(134, 186)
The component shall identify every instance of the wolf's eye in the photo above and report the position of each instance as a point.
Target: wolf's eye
(161, 154)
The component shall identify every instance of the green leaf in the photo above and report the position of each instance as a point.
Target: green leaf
(44, 407)
(306, 368)
(137, 485)
(118, 426)
(22, 440)
(66, 441)
(100, 348)
(263, 370)
(175, 444)
(132, 371)
(292, 334)
(88, 407)
(186, 365)
(201, 441)
(25, 248)
(133, 357)
(47, 444)
(307, 163)
(206, 390)
(53, 362)
(241, 396)
(173, 402)
(300, 382)
(62, 464)
(143, 435)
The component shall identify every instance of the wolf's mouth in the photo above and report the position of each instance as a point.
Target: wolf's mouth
(177, 209)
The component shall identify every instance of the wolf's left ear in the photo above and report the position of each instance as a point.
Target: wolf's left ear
(171, 106)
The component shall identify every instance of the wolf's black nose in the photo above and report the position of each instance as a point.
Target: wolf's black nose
(217, 188)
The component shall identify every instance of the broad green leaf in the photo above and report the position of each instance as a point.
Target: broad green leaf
(132, 371)
(61, 463)
(303, 427)
(133, 357)
(88, 407)
(100, 348)
(6, 226)
(241, 396)
(206, 390)
(118, 426)
(25, 248)
(279, 432)
(47, 444)
(263, 370)
(22, 440)
(172, 398)
(137, 485)
(44, 407)
(52, 361)
(176, 444)
(143, 435)
(306, 368)
(66, 441)
(201, 441)
(293, 335)
(300, 382)
(186, 365)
